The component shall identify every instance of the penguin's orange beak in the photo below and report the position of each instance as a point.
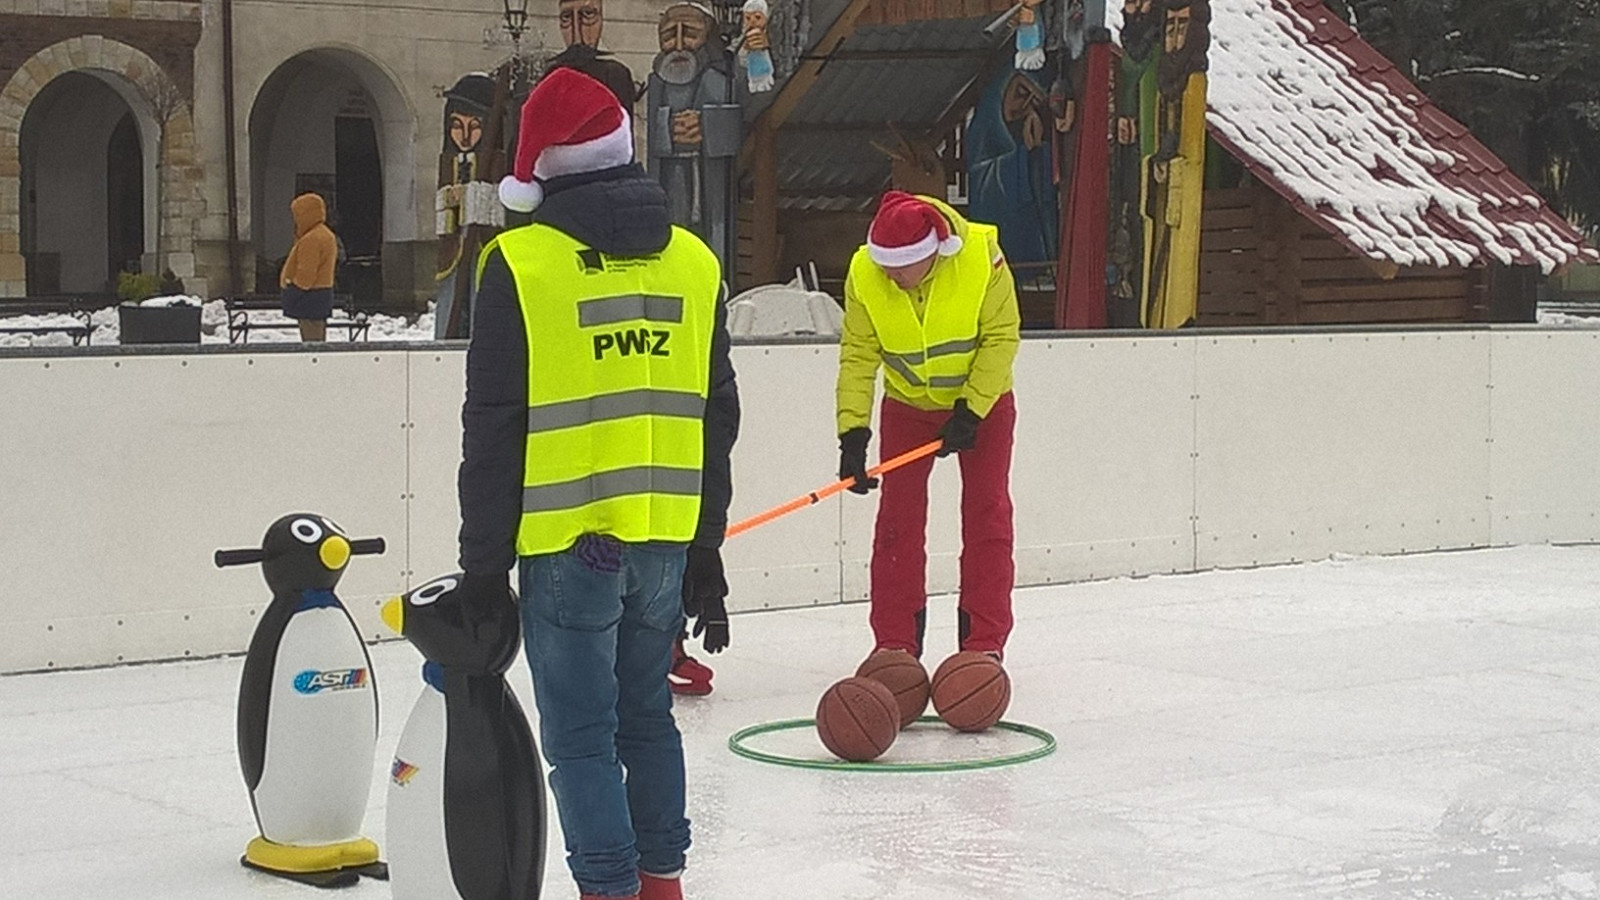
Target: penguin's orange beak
(335, 552)
(394, 615)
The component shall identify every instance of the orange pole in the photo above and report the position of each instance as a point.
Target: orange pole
(821, 494)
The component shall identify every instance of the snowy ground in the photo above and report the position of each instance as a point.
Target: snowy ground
(1414, 727)
(213, 327)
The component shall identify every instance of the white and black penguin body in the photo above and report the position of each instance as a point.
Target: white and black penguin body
(466, 810)
(415, 813)
(308, 705)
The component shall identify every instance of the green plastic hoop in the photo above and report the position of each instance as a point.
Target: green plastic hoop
(1047, 746)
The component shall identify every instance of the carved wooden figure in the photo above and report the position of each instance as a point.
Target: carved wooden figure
(581, 22)
(694, 126)
(914, 165)
(754, 49)
(467, 210)
(1134, 137)
(1176, 173)
(1030, 36)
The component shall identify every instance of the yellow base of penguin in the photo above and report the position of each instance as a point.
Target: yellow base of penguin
(290, 859)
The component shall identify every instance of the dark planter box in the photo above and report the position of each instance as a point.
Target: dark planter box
(159, 324)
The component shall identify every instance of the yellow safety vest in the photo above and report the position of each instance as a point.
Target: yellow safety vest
(619, 356)
(929, 357)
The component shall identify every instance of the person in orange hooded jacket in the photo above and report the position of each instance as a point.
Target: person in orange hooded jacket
(307, 277)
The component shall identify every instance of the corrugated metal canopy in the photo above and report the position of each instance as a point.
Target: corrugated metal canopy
(814, 164)
(908, 74)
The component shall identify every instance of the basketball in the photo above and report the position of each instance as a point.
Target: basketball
(905, 678)
(857, 719)
(971, 691)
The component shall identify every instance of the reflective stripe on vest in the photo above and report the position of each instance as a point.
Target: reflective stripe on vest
(611, 310)
(588, 410)
(930, 357)
(610, 485)
(619, 357)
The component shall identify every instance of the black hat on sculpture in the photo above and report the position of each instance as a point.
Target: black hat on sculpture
(475, 91)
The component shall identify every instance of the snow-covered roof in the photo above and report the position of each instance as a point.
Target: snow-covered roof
(1317, 113)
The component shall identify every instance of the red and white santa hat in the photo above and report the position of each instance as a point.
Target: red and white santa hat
(571, 123)
(908, 230)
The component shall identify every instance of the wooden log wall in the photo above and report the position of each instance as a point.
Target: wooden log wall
(822, 238)
(744, 247)
(1262, 263)
(805, 238)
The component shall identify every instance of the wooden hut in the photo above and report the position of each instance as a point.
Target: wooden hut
(1336, 191)
(1341, 194)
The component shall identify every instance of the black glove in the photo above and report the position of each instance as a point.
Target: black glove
(853, 459)
(482, 598)
(713, 623)
(960, 431)
(480, 593)
(704, 587)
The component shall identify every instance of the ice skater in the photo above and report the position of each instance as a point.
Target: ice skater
(929, 299)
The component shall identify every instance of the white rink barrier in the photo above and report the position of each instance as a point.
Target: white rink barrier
(1136, 454)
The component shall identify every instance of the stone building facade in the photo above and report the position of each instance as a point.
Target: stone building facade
(113, 138)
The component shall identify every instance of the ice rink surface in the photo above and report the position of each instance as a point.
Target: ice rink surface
(1413, 727)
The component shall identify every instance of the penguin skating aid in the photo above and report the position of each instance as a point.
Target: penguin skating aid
(466, 808)
(308, 709)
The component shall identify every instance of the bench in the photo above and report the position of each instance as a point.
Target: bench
(80, 329)
(239, 307)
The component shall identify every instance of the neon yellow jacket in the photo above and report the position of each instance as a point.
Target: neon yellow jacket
(999, 333)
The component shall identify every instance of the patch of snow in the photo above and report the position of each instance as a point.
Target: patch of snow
(107, 329)
(398, 328)
(54, 320)
(1553, 319)
(1581, 884)
(1497, 71)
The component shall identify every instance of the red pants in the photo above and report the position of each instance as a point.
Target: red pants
(899, 545)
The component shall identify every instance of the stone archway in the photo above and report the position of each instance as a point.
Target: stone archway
(332, 119)
(167, 133)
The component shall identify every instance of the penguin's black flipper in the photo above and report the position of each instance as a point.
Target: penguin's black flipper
(255, 690)
(524, 796)
(339, 878)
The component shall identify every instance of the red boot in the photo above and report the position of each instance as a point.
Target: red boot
(688, 675)
(660, 887)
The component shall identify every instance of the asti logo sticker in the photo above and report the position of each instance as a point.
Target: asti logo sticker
(402, 772)
(312, 681)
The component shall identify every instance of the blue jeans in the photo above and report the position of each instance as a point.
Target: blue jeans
(600, 620)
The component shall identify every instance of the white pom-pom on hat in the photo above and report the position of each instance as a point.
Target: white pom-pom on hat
(520, 196)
